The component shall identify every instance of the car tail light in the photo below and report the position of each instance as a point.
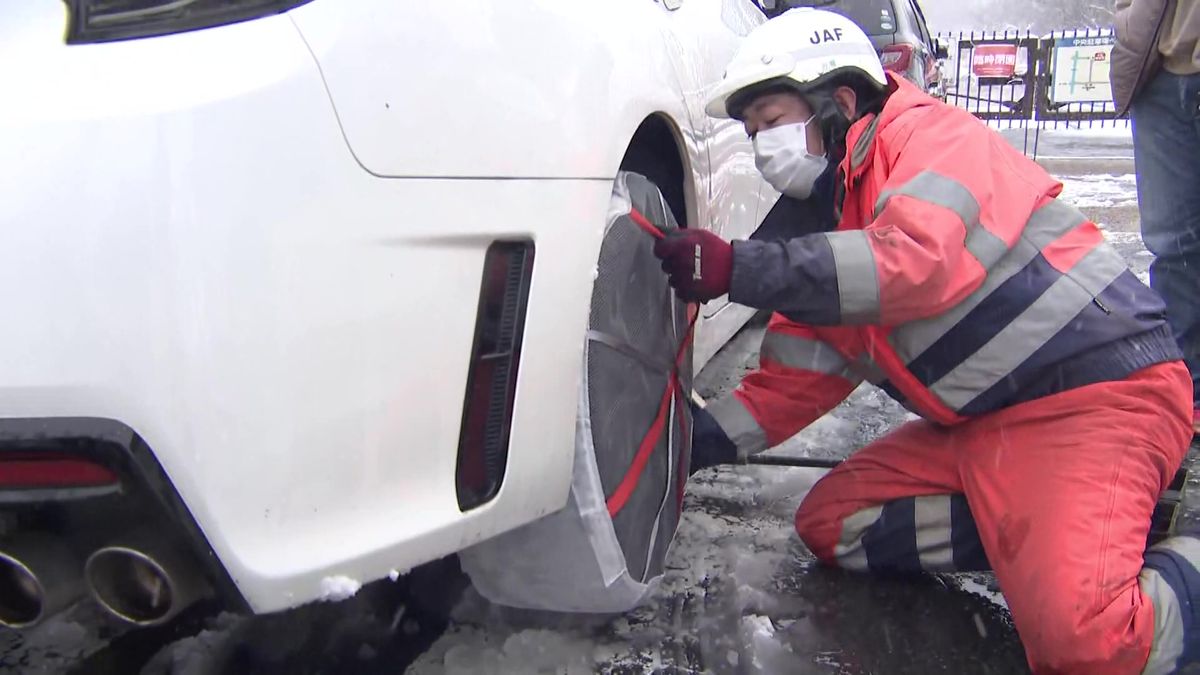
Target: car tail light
(896, 58)
(24, 471)
(492, 378)
(107, 20)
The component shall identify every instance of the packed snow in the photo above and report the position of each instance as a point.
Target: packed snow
(747, 550)
(338, 588)
(1100, 191)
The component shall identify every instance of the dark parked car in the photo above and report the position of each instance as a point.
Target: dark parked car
(899, 31)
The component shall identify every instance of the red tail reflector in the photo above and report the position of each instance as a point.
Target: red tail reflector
(896, 58)
(51, 470)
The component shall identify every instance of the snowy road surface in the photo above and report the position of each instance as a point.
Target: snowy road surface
(741, 595)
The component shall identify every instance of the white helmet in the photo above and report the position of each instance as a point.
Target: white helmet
(802, 45)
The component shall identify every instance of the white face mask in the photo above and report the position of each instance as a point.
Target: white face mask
(781, 155)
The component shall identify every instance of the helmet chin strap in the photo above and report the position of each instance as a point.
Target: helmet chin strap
(833, 122)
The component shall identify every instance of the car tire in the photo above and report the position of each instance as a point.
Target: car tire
(592, 556)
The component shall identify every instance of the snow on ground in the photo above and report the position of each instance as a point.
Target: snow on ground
(980, 585)
(194, 655)
(339, 587)
(1111, 201)
(1100, 191)
(736, 527)
(54, 645)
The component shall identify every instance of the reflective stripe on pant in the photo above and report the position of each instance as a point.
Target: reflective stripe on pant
(1171, 579)
(1061, 489)
(931, 533)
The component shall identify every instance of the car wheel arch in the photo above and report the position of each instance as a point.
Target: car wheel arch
(657, 151)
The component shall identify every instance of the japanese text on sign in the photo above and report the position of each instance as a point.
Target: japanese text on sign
(994, 60)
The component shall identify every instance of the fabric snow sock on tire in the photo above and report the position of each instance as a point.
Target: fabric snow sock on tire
(604, 551)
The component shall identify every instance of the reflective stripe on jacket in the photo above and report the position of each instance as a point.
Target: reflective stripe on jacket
(955, 280)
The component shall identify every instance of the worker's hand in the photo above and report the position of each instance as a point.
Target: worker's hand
(710, 445)
(698, 262)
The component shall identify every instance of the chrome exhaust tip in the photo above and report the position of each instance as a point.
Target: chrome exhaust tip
(22, 597)
(39, 577)
(143, 584)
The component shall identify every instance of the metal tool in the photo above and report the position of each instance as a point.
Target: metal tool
(799, 462)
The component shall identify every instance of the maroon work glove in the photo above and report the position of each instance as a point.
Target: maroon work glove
(699, 264)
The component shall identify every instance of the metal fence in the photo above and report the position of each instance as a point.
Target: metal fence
(1017, 80)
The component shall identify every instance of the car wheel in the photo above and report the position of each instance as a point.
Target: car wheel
(605, 551)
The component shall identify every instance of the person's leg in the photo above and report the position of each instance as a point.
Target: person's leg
(894, 507)
(1063, 489)
(1166, 148)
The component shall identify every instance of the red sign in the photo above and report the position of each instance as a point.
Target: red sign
(994, 60)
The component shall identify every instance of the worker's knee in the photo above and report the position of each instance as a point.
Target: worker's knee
(1060, 642)
(1068, 635)
(1136, 630)
(819, 527)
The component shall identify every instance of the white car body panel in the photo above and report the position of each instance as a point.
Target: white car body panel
(423, 90)
(491, 89)
(188, 245)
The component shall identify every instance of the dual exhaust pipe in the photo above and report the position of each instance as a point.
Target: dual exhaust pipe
(141, 580)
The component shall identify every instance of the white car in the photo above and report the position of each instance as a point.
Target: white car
(298, 294)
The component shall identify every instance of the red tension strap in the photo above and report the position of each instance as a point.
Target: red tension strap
(674, 389)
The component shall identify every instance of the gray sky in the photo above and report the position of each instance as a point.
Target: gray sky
(1039, 15)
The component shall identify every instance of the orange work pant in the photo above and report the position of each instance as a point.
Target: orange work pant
(1055, 495)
